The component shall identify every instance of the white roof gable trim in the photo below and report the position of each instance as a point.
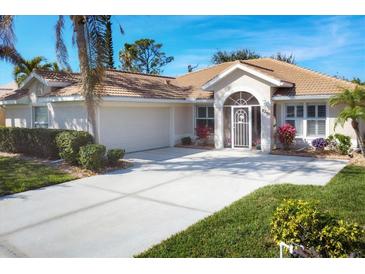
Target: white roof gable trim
(34, 75)
(267, 78)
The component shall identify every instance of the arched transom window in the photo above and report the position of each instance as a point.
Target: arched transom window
(241, 98)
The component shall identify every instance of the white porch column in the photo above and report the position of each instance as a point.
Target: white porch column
(266, 126)
(172, 126)
(218, 125)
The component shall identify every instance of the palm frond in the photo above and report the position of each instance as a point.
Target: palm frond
(122, 32)
(9, 54)
(61, 49)
(7, 36)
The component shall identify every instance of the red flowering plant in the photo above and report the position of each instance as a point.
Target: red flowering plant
(286, 135)
(203, 133)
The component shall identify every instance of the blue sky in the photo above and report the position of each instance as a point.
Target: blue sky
(330, 44)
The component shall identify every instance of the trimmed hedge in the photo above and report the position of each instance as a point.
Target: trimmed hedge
(70, 142)
(39, 142)
(114, 155)
(92, 157)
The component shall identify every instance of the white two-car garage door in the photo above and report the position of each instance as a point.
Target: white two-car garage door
(134, 128)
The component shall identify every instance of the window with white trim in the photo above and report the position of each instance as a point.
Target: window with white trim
(205, 117)
(40, 117)
(316, 120)
(294, 116)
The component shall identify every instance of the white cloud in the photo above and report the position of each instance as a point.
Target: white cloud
(308, 38)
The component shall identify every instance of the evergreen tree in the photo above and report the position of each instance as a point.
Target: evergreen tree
(109, 43)
(145, 56)
(242, 54)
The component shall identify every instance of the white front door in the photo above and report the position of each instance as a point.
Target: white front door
(241, 127)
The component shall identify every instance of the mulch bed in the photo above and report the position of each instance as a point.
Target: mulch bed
(357, 158)
(73, 170)
(207, 147)
(325, 154)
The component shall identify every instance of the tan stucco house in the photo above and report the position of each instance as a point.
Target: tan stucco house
(4, 90)
(243, 102)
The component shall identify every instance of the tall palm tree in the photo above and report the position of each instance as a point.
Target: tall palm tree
(25, 67)
(354, 101)
(8, 52)
(90, 39)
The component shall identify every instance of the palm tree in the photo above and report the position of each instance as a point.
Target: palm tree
(89, 36)
(25, 67)
(8, 52)
(354, 99)
(90, 39)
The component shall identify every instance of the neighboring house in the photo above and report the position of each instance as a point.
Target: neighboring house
(5, 90)
(242, 101)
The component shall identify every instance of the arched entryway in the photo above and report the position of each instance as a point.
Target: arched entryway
(242, 121)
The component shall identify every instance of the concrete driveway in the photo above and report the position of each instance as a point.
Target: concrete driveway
(123, 213)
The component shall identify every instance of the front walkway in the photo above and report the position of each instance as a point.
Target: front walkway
(123, 213)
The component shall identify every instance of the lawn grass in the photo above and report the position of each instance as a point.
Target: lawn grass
(243, 228)
(18, 175)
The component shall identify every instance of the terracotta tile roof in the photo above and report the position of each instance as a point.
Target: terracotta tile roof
(129, 84)
(52, 76)
(196, 79)
(306, 81)
(9, 86)
(14, 94)
(6, 89)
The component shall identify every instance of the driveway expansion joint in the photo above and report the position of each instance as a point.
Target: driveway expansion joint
(10, 250)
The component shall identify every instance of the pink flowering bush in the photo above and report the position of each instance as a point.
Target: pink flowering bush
(286, 135)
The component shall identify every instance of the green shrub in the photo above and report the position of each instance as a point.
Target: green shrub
(292, 220)
(39, 142)
(69, 143)
(340, 142)
(92, 156)
(114, 155)
(340, 239)
(186, 141)
(300, 222)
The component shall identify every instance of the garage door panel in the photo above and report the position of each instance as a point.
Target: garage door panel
(134, 128)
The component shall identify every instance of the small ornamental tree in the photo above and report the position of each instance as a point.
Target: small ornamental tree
(286, 135)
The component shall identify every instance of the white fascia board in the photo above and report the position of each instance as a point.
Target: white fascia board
(60, 99)
(151, 100)
(8, 102)
(300, 97)
(21, 101)
(275, 82)
(123, 99)
(30, 77)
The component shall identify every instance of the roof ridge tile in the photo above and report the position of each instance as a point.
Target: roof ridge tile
(206, 68)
